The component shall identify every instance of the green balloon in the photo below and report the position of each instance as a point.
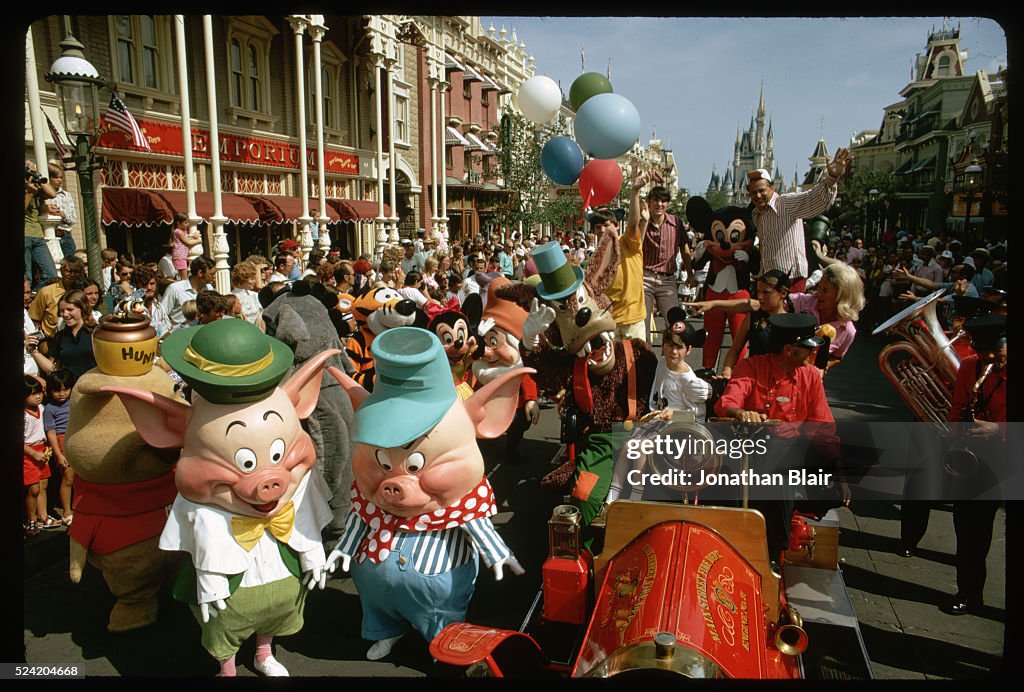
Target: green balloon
(586, 85)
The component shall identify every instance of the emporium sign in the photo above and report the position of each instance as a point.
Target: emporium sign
(165, 138)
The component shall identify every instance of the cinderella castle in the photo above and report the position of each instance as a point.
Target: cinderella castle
(754, 149)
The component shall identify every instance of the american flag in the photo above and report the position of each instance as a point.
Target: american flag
(117, 116)
(58, 141)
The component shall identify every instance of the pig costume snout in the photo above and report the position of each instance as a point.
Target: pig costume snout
(266, 486)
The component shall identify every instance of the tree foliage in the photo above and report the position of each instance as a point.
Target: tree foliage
(519, 166)
(856, 188)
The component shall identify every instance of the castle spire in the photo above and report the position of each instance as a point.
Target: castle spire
(760, 107)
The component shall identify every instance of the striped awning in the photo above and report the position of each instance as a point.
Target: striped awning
(281, 208)
(903, 167)
(476, 143)
(454, 138)
(358, 209)
(134, 207)
(471, 75)
(451, 63)
(489, 85)
(236, 208)
(927, 164)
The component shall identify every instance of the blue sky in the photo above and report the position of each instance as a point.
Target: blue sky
(694, 79)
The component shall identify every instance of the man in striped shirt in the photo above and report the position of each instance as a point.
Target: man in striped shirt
(663, 238)
(779, 218)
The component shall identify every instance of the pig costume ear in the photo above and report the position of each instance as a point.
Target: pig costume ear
(355, 392)
(493, 406)
(303, 387)
(160, 420)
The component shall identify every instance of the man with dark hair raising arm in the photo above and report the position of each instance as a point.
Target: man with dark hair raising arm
(779, 218)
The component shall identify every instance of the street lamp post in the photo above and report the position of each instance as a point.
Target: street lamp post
(972, 180)
(76, 81)
(873, 197)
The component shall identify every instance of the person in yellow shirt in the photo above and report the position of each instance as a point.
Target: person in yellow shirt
(627, 290)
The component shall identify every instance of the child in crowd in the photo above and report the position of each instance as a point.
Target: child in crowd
(189, 312)
(55, 423)
(676, 387)
(35, 463)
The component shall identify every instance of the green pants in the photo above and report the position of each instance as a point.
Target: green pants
(593, 476)
(273, 609)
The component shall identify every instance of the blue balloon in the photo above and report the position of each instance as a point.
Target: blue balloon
(562, 160)
(607, 126)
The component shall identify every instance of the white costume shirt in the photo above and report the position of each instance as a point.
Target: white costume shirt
(204, 532)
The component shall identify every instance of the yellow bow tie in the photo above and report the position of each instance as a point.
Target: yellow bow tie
(249, 530)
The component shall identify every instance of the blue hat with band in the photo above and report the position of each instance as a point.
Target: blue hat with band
(558, 278)
(412, 390)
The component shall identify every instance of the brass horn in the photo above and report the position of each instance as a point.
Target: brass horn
(791, 639)
(959, 461)
(922, 367)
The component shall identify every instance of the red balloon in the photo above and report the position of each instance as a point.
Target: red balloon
(600, 180)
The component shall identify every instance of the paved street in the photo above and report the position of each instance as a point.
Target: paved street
(895, 598)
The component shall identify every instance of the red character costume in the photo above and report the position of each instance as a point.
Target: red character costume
(729, 246)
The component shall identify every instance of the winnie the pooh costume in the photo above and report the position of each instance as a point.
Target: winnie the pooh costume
(123, 487)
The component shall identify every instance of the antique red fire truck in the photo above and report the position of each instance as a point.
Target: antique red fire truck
(676, 590)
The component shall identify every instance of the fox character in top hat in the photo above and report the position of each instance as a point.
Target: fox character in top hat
(251, 506)
(501, 330)
(569, 337)
(421, 505)
(729, 245)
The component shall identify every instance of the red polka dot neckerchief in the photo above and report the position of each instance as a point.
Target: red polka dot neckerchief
(384, 527)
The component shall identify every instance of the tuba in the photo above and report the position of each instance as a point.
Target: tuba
(923, 365)
(959, 461)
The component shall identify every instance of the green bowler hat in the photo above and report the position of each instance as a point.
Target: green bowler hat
(228, 361)
(558, 278)
(412, 390)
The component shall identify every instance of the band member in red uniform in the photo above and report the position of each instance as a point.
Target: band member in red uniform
(979, 397)
(782, 386)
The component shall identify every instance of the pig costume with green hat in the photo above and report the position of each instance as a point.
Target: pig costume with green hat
(250, 505)
(421, 505)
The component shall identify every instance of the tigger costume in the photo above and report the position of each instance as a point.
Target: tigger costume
(375, 309)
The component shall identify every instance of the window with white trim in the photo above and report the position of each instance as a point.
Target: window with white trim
(249, 64)
(141, 50)
(332, 82)
(401, 116)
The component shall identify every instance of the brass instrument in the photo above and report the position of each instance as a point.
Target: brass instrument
(923, 366)
(959, 461)
(791, 639)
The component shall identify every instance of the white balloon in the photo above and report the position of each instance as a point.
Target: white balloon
(540, 98)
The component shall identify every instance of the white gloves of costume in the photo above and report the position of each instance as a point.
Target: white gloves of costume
(317, 576)
(207, 612)
(537, 322)
(513, 565)
(485, 326)
(332, 562)
(741, 256)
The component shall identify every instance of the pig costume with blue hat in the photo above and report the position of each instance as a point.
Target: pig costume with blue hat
(251, 505)
(421, 505)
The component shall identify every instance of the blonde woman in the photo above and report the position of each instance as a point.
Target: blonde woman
(837, 302)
